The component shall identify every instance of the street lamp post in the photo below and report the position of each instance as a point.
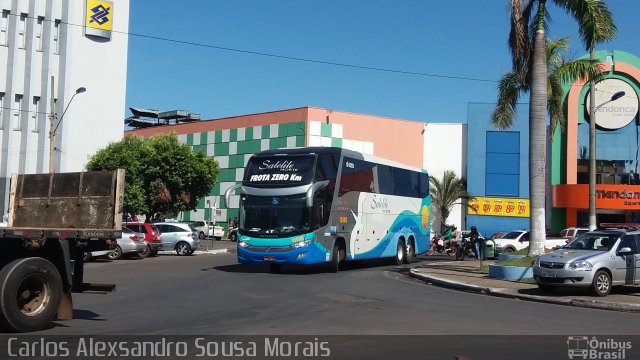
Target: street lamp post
(592, 154)
(54, 125)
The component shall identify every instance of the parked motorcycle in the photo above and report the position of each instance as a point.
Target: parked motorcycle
(466, 248)
(439, 246)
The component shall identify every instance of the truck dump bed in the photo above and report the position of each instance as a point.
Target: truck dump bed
(66, 205)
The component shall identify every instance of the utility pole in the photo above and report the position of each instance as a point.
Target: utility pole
(52, 124)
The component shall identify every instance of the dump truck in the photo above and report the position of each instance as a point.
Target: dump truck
(53, 219)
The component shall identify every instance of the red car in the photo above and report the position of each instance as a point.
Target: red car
(151, 236)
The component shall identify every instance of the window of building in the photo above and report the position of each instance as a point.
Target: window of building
(4, 27)
(35, 107)
(39, 31)
(56, 37)
(502, 163)
(17, 110)
(1, 110)
(22, 30)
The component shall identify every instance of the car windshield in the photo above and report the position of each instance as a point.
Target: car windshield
(593, 241)
(273, 215)
(512, 235)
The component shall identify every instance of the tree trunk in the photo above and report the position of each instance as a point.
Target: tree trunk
(538, 144)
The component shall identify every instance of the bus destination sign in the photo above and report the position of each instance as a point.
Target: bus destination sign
(280, 170)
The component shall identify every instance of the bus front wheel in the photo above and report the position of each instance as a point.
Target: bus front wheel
(334, 263)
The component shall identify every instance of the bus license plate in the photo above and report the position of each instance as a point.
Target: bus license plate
(269, 258)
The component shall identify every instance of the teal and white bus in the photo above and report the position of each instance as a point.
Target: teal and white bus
(329, 205)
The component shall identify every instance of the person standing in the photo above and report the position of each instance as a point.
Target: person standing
(475, 237)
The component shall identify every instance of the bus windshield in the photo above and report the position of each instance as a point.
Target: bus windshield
(270, 216)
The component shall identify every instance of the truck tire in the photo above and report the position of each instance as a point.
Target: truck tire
(30, 292)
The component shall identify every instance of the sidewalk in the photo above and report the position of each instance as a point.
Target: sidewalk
(465, 275)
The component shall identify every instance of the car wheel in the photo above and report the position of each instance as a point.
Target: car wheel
(183, 249)
(601, 284)
(154, 252)
(201, 235)
(144, 253)
(546, 288)
(116, 254)
(460, 253)
(31, 293)
(508, 250)
(86, 257)
(410, 252)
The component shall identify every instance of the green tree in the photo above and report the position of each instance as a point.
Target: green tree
(517, 81)
(446, 193)
(594, 25)
(162, 175)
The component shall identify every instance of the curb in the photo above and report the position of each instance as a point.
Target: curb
(506, 293)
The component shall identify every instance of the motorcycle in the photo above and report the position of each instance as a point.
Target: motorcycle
(465, 248)
(439, 246)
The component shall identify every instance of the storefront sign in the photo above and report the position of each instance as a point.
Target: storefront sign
(613, 114)
(491, 206)
(621, 197)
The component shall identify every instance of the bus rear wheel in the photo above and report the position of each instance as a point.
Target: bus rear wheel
(410, 252)
(399, 258)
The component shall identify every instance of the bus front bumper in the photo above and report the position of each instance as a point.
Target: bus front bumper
(310, 254)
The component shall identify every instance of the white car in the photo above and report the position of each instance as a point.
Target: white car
(207, 229)
(519, 239)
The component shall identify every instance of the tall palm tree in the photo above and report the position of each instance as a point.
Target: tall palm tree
(594, 25)
(560, 70)
(446, 193)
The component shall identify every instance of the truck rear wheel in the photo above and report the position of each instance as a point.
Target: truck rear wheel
(30, 292)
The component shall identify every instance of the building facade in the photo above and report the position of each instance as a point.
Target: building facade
(617, 148)
(232, 141)
(49, 51)
(498, 160)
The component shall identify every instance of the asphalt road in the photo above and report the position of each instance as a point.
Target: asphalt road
(213, 295)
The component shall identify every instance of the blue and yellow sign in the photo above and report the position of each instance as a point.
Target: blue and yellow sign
(99, 18)
(499, 207)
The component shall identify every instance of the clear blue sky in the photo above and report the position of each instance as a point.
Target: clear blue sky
(453, 40)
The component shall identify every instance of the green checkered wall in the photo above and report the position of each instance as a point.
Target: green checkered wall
(232, 148)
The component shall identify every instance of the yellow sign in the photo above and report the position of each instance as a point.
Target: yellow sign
(99, 15)
(499, 207)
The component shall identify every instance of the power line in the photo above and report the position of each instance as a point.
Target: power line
(285, 57)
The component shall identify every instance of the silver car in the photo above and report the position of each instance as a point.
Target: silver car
(181, 237)
(130, 243)
(596, 260)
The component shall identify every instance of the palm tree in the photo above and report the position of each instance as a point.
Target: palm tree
(594, 25)
(447, 193)
(560, 70)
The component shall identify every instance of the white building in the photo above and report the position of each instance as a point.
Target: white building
(76, 44)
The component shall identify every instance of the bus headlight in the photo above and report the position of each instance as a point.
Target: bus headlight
(300, 244)
(242, 244)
